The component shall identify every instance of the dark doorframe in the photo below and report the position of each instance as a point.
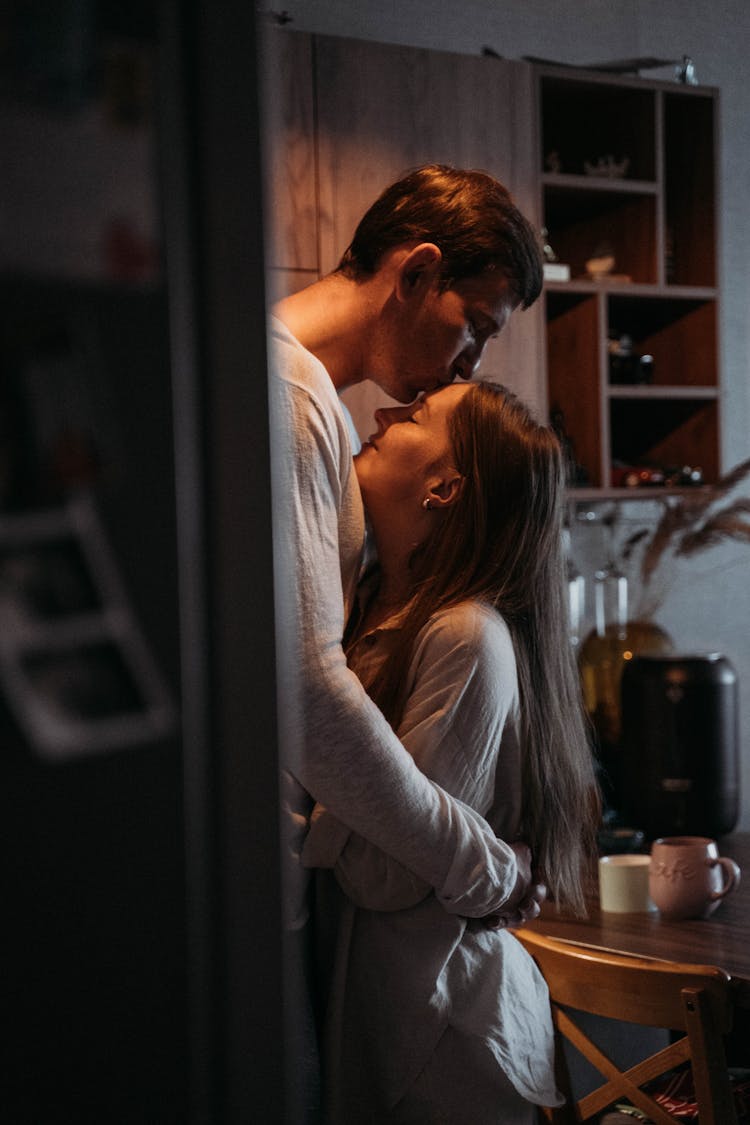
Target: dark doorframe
(211, 188)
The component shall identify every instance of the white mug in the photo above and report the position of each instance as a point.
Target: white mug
(623, 884)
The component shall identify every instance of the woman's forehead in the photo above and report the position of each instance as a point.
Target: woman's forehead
(444, 397)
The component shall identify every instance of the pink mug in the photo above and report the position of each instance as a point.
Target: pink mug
(687, 876)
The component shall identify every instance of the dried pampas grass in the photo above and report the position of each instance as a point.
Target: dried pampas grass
(690, 523)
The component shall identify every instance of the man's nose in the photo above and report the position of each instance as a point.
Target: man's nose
(467, 362)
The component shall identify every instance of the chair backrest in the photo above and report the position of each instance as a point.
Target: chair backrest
(693, 999)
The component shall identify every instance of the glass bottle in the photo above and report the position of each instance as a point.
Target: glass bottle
(576, 595)
(613, 641)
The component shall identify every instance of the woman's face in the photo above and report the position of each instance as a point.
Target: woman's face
(408, 452)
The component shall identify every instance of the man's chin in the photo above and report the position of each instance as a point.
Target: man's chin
(406, 395)
(425, 388)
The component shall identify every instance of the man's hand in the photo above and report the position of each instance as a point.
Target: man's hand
(526, 901)
(528, 909)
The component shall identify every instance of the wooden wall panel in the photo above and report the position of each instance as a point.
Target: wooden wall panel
(383, 109)
(291, 193)
(281, 283)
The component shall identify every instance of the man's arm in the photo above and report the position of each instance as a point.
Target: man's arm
(338, 744)
(463, 690)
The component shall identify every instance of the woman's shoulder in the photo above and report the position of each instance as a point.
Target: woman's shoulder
(473, 624)
(469, 645)
(474, 614)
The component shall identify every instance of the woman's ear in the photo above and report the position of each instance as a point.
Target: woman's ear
(445, 491)
(417, 270)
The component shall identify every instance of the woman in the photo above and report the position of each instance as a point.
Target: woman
(461, 639)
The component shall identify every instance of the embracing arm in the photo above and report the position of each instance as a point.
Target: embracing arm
(367, 875)
(463, 690)
(338, 745)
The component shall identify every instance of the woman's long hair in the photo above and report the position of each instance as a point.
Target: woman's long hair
(502, 543)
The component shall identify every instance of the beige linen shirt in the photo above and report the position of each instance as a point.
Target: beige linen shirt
(404, 969)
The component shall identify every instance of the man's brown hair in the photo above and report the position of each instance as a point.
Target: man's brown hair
(467, 213)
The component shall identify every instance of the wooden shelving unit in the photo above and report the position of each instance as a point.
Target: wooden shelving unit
(656, 216)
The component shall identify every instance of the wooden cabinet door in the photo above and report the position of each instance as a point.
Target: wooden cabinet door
(383, 109)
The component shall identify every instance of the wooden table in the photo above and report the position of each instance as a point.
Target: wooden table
(723, 939)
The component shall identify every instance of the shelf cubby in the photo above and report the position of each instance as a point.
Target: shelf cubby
(689, 191)
(573, 329)
(585, 120)
(669, 432)
(590, 221)
(679, 333)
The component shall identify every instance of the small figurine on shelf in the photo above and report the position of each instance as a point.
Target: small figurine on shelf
(552, 162)
(645, 476)
(626, 365)
(636, 476)
(684, 477)
(685, 72)
(600, 266)
(607, 167)
(553, 270)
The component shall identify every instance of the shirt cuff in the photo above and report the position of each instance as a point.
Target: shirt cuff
(482, 889)
(325, 840)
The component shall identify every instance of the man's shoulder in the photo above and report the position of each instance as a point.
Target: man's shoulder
(297, 371)
(291, 362)
(306, 409)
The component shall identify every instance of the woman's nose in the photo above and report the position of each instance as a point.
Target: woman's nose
(385, 416)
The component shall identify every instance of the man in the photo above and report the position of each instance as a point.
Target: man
(436, 267)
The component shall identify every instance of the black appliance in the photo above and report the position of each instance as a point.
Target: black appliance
(680, 741)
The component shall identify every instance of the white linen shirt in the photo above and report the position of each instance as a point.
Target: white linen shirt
(404, 969)
(336, 743)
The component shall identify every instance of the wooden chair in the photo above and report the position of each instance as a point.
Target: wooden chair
(694, 999)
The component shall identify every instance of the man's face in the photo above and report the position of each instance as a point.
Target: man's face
(442, 335)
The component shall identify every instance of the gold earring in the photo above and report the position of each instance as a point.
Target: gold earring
(426, 503)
